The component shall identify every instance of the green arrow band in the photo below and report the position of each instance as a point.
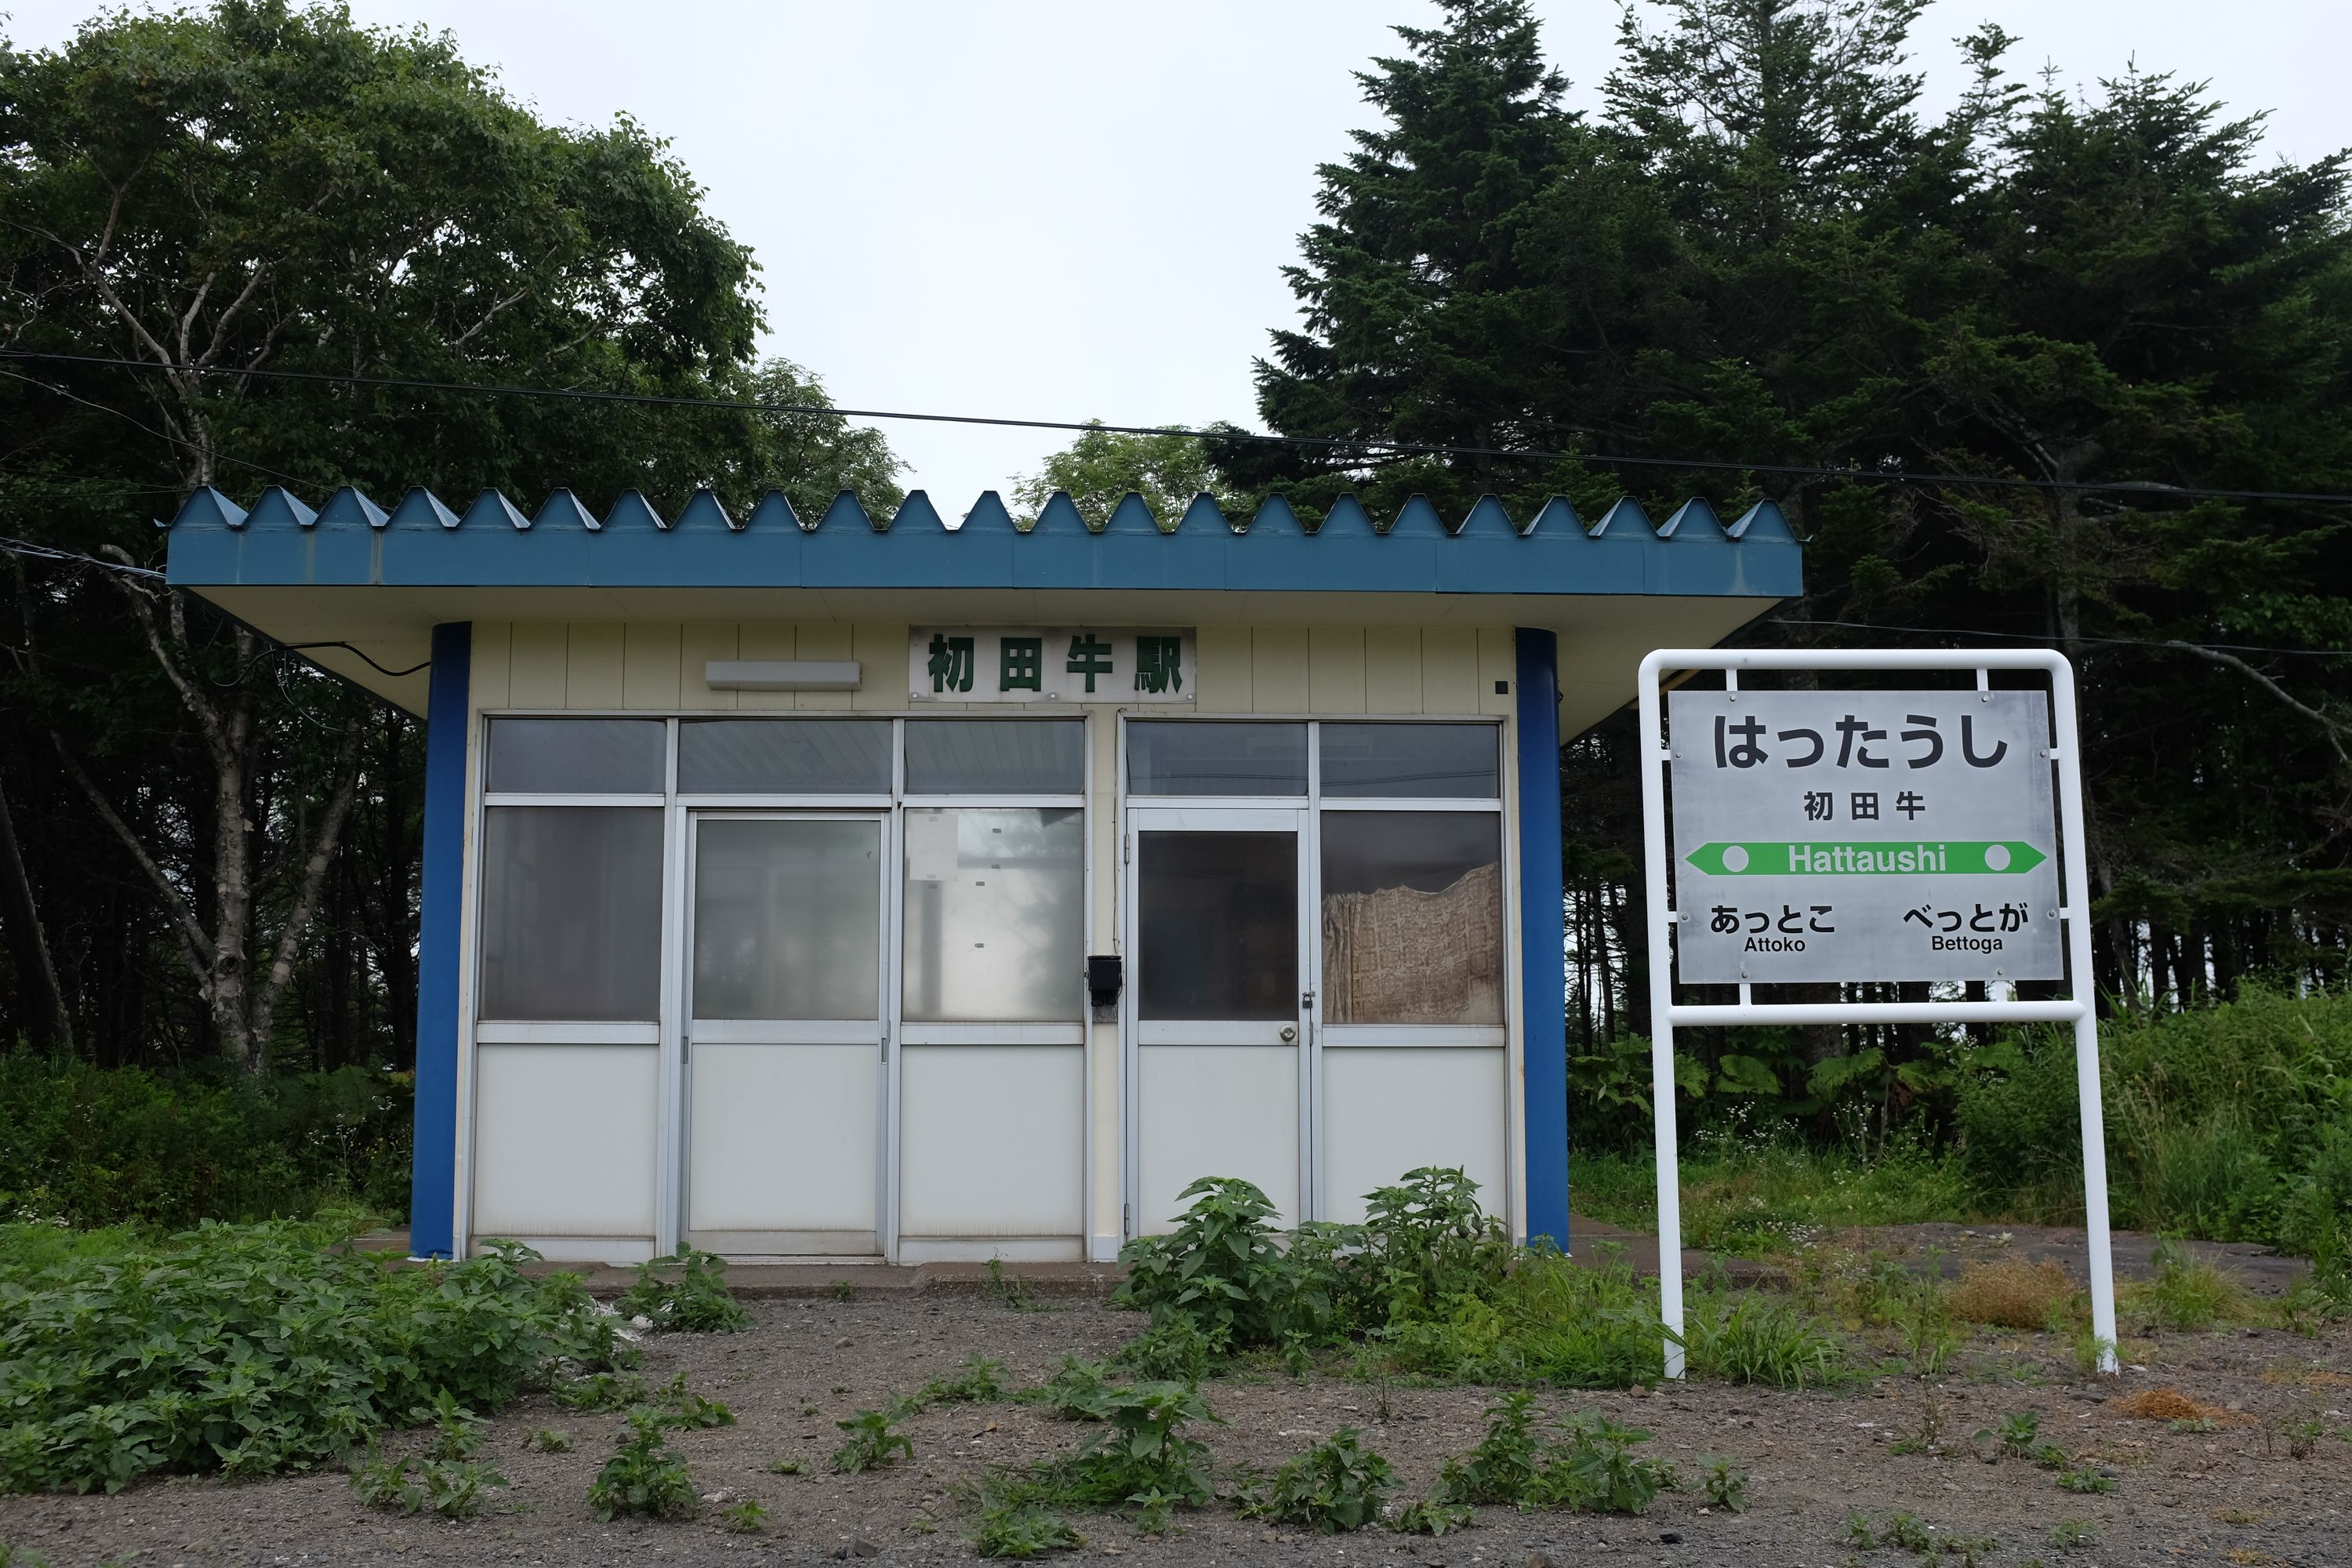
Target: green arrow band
(1850, 858)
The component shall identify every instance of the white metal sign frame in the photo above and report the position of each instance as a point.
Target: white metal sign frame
(1667, 1015)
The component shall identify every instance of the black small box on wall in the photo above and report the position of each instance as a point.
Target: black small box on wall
(1103, 977)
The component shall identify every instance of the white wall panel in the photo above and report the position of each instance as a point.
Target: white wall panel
(563, 1141)
(1388, 1110)
(992, 1141)
(781, 1138)
(1215, 1111)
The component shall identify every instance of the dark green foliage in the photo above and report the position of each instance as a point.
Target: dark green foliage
(870, 1444)
(1176, 1348)
(93, 1147)
(1429, 1516)
(1142, 1461)
(745, 1518)
(599, 1391)
(1222, 1267)
(1752, 1337)
(645, 1476)
(255, 1349)
(2085, 1479)
(1337, 1485)
(1761, 250)
(1725, 1484)
(684, 1293)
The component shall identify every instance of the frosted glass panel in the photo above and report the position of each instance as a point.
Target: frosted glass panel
(995, 912)
(1412, 917)
(576, 756)
(1216, 759)
(1432, 761)
(1219, 914)
(784, 756)
(572, 912)
(995, 756)
(787, 919)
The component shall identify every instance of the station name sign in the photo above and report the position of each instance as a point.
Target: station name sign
(1859, 836)
(1061, 664)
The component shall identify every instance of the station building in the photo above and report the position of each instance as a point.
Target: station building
(865, 887)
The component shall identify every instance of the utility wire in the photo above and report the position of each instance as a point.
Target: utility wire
(2174, 643)
(1367, 444)
(43, 553)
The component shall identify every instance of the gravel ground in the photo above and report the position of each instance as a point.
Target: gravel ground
(2231, 1495)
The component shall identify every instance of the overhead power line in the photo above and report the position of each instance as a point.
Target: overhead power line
(43, 553)
(1364, 444)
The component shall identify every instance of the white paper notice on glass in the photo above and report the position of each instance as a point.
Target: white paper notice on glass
(930, 846)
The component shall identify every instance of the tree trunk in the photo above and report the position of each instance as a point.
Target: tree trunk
(46, 1023)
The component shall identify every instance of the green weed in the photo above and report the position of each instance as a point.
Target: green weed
(1907, 1531)
(1176, 1348)
(1429, 1516)
(1753, 1338)
(1726, 1487)
(2018, 1434)
(451, 1487)
(684, 1293)
(2084, 1479)
(2073, 1535)
(745, 1518)
(1023, 1531)
(548, 1440)
(784, 1467)
(599, 1391)
(978, 1381)
(680, 1406)
(870, 1444)
(645, 1477)
(1336, 1486)
(1074, 1391)
(843, 1290)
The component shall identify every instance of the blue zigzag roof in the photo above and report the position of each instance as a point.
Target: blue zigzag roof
(351, 540)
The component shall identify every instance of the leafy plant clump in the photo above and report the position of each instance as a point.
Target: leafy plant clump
(1591, 1469)
(1021, 1530)
(745, 1518)
(870, 1444)
(977, 1381)
(1336, 1486)
(116, 1364)
(646, 1477)
(684, 1293)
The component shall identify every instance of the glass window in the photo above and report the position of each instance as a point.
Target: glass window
(784, 756)
(995, 914)
(1219, 919)
(1412, 917)
(996, 756)
(572, 912)
(1430, 762)
(576, 756)
(787, 919)
(1216, 759)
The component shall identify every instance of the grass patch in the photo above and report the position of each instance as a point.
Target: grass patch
(1764, 1197)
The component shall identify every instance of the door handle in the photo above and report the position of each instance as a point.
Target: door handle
(1290, 1034)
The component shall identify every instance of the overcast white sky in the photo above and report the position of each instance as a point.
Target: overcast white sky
(1067, 209)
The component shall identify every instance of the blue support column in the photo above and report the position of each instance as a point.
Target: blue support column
(1543, 964)
(433, 1179)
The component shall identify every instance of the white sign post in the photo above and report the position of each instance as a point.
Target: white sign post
(1866, 836)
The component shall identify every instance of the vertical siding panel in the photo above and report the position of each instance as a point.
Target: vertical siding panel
(700, 644)
(1335, 669)
(766, 639)
(1278, 669)
(1449, 670)
(881, 652)
(823, 643)
(493, 650)
(650, 665)
(1220, 658)
(1392, 669)
(592, 665)
(1497, 665)
(535, 665)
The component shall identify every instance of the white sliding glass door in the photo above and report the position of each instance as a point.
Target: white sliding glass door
(787, 1043)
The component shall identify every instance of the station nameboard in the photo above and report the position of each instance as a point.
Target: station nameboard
(1863, 835)
(1032, 664)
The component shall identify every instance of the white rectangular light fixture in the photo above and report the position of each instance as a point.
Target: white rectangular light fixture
(782, 675)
